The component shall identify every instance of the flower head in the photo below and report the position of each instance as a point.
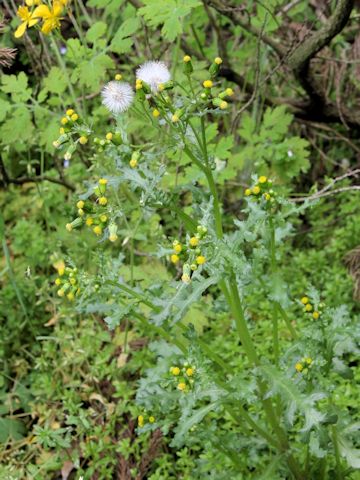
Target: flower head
(117, 96)
(50, 16)
(28, 20)
(153, 73)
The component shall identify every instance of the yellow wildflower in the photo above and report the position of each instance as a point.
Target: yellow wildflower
(175, 371)
(151, 419)
(103, 201)
(177, 248)
(256, 190)
(304, 300)
(218, 61)
(208, 84)
(189, 372)
(155, 113)
(174, 258)
(316, 315)
(187, 59)
(97, 230)
(181, 386)
(109, 136)
(69, 112)
(83, 140)
(28, 20)
(262, 179)
(299, 367)
(200, 260)
(308, 307)
(247, 192)
(194, 241)
(89, 221)
(51, 17)
(118, 76)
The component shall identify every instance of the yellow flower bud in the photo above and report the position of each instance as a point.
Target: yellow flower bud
(61, 292)
(189, 372)
(109, 136)
(247, 192)
(133, 163)
(256, 190)
(80, 204)
(200, 260)
(223, 105)
(118, 76)
(89, 221)
(83, 140)
(103, 201)
(194, 242)
(174, 118)
(64, 121)
(58, 281)
(208, 84)
(174, 258)
(218, 61)
(316, 315)
(161, 87)
(97, 230)
(187, 58)
(69, 112)
(229, 92)
(62, 131)
(70, 296)
(103, 218)
(181, 386)
(262, 179)
(140, 421)
(151, 419)
(74, 117)
(299, 367)
(155, 113)
(175, 371)
(113, 237)
(186, 278)
(68, 227)
(103, 181)
(304, 300)
(177, 248)
(267, 196)
(308, 307)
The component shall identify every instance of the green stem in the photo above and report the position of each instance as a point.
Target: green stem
(337, 453)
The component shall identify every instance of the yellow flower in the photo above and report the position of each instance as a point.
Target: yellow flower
(70, 296)
(304, 300)
(208, 84)
(89, 221)
(97, 230)
(181, 386)
(174, 258)
(316, 315)
(151, 419)
(69, 112)
(229, 92)
(58, 282)
(200, 260)
(80, 204)
(247, 192)
(256, 190)
(267, 196)
(308, 307)
(156, 113)
(28, 20)
(103, 181)
(218, 61)
(133, 163)
(31, 3)
(103, 218)
(177, 248)
(74, 117)
(51, 17)
(140, 421)
(103, 201)
(118, 76)
(299, 367)
(262, 179)
(189, 372)
(83, 140)
(61, 292)
(175, 371)
(109, 136)
(64, 120)
(223, 105)
(187, 59)
(68, 227)
(194, 241)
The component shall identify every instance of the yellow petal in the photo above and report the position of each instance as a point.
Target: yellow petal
(20, 30)
(57, 9)
(48, 25)
(33, 22)
(23, 13)
(42, 11)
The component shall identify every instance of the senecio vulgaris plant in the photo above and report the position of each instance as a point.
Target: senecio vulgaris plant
(275, 402)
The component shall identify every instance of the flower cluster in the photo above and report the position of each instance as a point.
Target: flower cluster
(303, 365)
(50, 16)
(68, 282)
(95, 214)
(308, 308)
(261, 190)
(145, 418)
(189, 253)
(73, 131)
(183, 376)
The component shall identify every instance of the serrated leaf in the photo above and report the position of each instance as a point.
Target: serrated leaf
(17, 87)
(121, 42)
(55, 82)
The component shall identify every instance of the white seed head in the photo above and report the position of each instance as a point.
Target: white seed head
(153, 73)
(117, 96)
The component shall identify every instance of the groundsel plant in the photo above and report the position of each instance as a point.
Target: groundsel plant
(272, 398)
